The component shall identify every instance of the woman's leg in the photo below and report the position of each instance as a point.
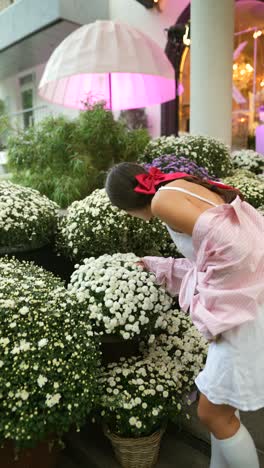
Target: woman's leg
(217, 458)
(231, 440)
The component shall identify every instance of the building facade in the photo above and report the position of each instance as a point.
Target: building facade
(32, 29)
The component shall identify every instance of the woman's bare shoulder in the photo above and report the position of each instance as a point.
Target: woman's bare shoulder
(176, 211)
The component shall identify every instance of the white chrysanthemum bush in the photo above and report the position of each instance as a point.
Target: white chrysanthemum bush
(48, 356)
(140, 394)
(261, 209)
(119, 297)
(248, 159)
(93, 227)
(178, 339)
(27, 218)
(207, 152)
(250, 185)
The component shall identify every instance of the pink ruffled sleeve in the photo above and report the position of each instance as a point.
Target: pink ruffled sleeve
(169, 271)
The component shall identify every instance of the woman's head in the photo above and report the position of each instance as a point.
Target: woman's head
(122, 181)
(120, 187)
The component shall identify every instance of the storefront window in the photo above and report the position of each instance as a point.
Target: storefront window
(248, 75)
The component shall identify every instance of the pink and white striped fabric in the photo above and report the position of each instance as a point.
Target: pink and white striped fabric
(224, 287)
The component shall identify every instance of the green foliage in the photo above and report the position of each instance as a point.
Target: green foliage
(4, 125)
(67, 159)
(2, 107)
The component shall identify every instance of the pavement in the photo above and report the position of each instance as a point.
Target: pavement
(91, 449)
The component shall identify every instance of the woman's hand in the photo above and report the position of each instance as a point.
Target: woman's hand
(141, 263)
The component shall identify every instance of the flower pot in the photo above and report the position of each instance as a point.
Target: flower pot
(142, 452)
(43, 256)
(114, 347)
(38, 457)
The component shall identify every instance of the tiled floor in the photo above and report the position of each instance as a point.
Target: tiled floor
(92, 450)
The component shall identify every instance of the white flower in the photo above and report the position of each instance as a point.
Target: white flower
(132, 421)
(126, 336)
(138, 424)
(24, 345)
(52, 400)
(42, 380)
(4, 342)
(42, 342)
(24, 395)
(1, 364)
(160, 388)
(24, 310)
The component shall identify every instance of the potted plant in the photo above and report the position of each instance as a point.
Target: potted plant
(141, 394)
(250, 185)
(169, 163)
(207, 152)
(27, 218)
(122, 301)
(28, 221)
(49, 364)
(93, 227)
(249, 160)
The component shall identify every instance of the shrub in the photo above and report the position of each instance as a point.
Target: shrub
(118, 296)
(206, 152)
(48, 359)
(27, 218)
(251, 186)
(93, 227)
(67, 159)
(248, 159)
(45, 158)
(170, 163)
(140, 394)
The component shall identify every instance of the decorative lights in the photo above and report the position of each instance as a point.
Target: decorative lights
(242, 71)
(257, 34)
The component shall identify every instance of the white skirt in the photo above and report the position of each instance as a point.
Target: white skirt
(234, 370)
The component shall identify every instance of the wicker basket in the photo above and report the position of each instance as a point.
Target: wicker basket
(142, 452)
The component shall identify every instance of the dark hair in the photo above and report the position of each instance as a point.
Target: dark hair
(121, 182)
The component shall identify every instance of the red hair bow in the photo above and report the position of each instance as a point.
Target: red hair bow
(147, 182)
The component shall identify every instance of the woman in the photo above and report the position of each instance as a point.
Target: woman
(221, 284)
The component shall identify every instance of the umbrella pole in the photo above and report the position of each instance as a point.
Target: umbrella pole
(110, 90)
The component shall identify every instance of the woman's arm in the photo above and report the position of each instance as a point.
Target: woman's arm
(169, 271)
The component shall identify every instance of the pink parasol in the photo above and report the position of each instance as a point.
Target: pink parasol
(108, 61)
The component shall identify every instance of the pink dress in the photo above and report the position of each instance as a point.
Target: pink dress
(221, 284)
